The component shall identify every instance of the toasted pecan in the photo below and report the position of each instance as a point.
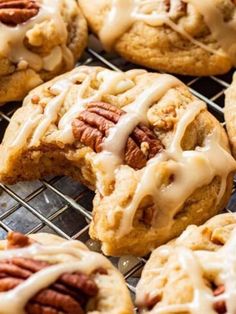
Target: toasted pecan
(17, 240)
(220, 306)
(69, 294)
(14, 12)
(93, 125)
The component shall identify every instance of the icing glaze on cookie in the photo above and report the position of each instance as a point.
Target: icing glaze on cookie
(221, 263)
(190, 170)
(13, 39)
(123, 14)
(69, 256)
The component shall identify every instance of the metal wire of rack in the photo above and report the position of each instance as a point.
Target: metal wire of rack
(62, 206)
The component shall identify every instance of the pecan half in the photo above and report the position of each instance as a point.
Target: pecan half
(220, 306)
(93, 124)
(14, 12)
(69, 294)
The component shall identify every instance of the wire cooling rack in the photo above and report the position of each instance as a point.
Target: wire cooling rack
(62, 206)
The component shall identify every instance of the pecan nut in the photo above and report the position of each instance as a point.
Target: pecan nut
(14, 12)
(220, 306)
(17, 240)
(68, 295)
(92, 127)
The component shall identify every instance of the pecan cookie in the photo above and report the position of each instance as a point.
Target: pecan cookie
(40, 39)
(180, 36)
(156, 157)
(46, 274)
(194, 273)
(230, 114)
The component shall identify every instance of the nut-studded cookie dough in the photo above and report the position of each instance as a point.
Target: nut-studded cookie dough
(196, 273)
(230, 113)
(46, 274)
(180, 36)
(156, 157)
(39, 40)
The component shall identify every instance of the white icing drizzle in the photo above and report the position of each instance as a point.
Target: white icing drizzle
(110, 83)
(136, 113)
(124, 14)
(26, 129)
(195, 264)
(114, 145)
(209, 161)
(70, 258)
(12, 38)
(224, 32)
(183, 166)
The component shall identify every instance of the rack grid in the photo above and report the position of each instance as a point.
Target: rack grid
(62, 206)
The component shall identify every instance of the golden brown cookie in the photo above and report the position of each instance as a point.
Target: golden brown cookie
(230, 114)
(180, 36)
(156, 157)
(39, 40)
(43, 273)
(196, 273)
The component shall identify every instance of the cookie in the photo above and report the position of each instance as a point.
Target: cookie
(230, 114)
(194, 273)
(43, 273)
(40, 39)
(156, 157)
(180, 36)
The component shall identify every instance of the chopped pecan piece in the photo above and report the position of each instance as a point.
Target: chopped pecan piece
(94, 123)
(149, 302)
(69, 294)
(14, 12)
(17, 240)
(220, 306)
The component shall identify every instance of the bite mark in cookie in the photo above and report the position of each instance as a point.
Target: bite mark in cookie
(108, 128)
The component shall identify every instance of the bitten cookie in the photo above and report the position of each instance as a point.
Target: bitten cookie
(45, 274)
(156, 157)
(39, 40)
(180, 36)
(230, 113)
(196, 273)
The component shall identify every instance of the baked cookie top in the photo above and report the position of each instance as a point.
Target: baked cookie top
(40, 39)
(44, 273)
(230, 113)
(181, 36)
(109, 128)
(196, 273)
